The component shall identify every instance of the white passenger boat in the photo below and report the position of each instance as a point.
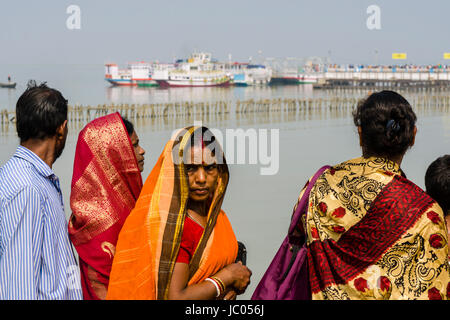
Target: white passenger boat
(197, 71)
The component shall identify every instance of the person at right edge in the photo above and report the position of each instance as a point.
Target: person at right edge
(372, 233)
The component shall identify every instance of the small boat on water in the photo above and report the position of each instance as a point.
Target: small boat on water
(9, 85)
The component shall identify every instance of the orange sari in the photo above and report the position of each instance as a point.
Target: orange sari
(150, 239)
(106, 183)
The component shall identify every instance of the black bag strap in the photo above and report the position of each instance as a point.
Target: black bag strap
(295, 249)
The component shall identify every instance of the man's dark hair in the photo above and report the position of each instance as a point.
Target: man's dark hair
(40, 110)
(387, 123)
(437, 182)
(128, 125)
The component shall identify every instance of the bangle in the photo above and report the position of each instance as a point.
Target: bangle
(221, 284)
(215, 285)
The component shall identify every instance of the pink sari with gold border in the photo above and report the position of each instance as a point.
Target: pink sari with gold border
(106, 183)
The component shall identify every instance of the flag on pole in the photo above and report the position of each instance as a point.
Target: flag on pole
(399, 56)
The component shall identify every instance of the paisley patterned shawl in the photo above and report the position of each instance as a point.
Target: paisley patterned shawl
(373, 234)
(150, 239)
(106, 183)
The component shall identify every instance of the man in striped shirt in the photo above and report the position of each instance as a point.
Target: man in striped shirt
(36, 257)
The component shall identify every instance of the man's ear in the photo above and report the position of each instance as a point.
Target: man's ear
(62, 130)
(414, 136)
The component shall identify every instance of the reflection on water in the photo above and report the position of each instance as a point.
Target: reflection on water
(154, 109)
(119, 95)
(446, 124)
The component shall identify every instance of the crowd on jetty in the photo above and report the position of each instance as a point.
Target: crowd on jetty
(389, 68)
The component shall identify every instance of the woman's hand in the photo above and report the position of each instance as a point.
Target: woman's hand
(235, 275)
(236, 278)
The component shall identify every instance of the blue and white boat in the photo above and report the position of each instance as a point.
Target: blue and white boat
(252, 74)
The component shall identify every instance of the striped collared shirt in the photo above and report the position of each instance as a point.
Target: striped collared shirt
(36, 256)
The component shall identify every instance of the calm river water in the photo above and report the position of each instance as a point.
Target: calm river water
(259, 206)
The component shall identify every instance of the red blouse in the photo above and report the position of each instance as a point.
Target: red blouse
(192, 234)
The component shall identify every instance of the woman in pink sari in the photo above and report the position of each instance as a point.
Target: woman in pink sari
(106, 183)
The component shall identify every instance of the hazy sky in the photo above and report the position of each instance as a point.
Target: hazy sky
(122, 31)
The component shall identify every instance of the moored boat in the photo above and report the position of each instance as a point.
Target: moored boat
(9, 85)
(307, 79)
(293, 77)
(197, 71)
(173, 82)
(254, 74)
(118, 77)
(146, 83)
(246, 74)
(136, 74)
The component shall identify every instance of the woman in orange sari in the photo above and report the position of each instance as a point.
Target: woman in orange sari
(177, 243)
(106, 183)
(372, 233)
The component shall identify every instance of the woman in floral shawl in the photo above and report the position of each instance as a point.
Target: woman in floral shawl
(372, 233)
